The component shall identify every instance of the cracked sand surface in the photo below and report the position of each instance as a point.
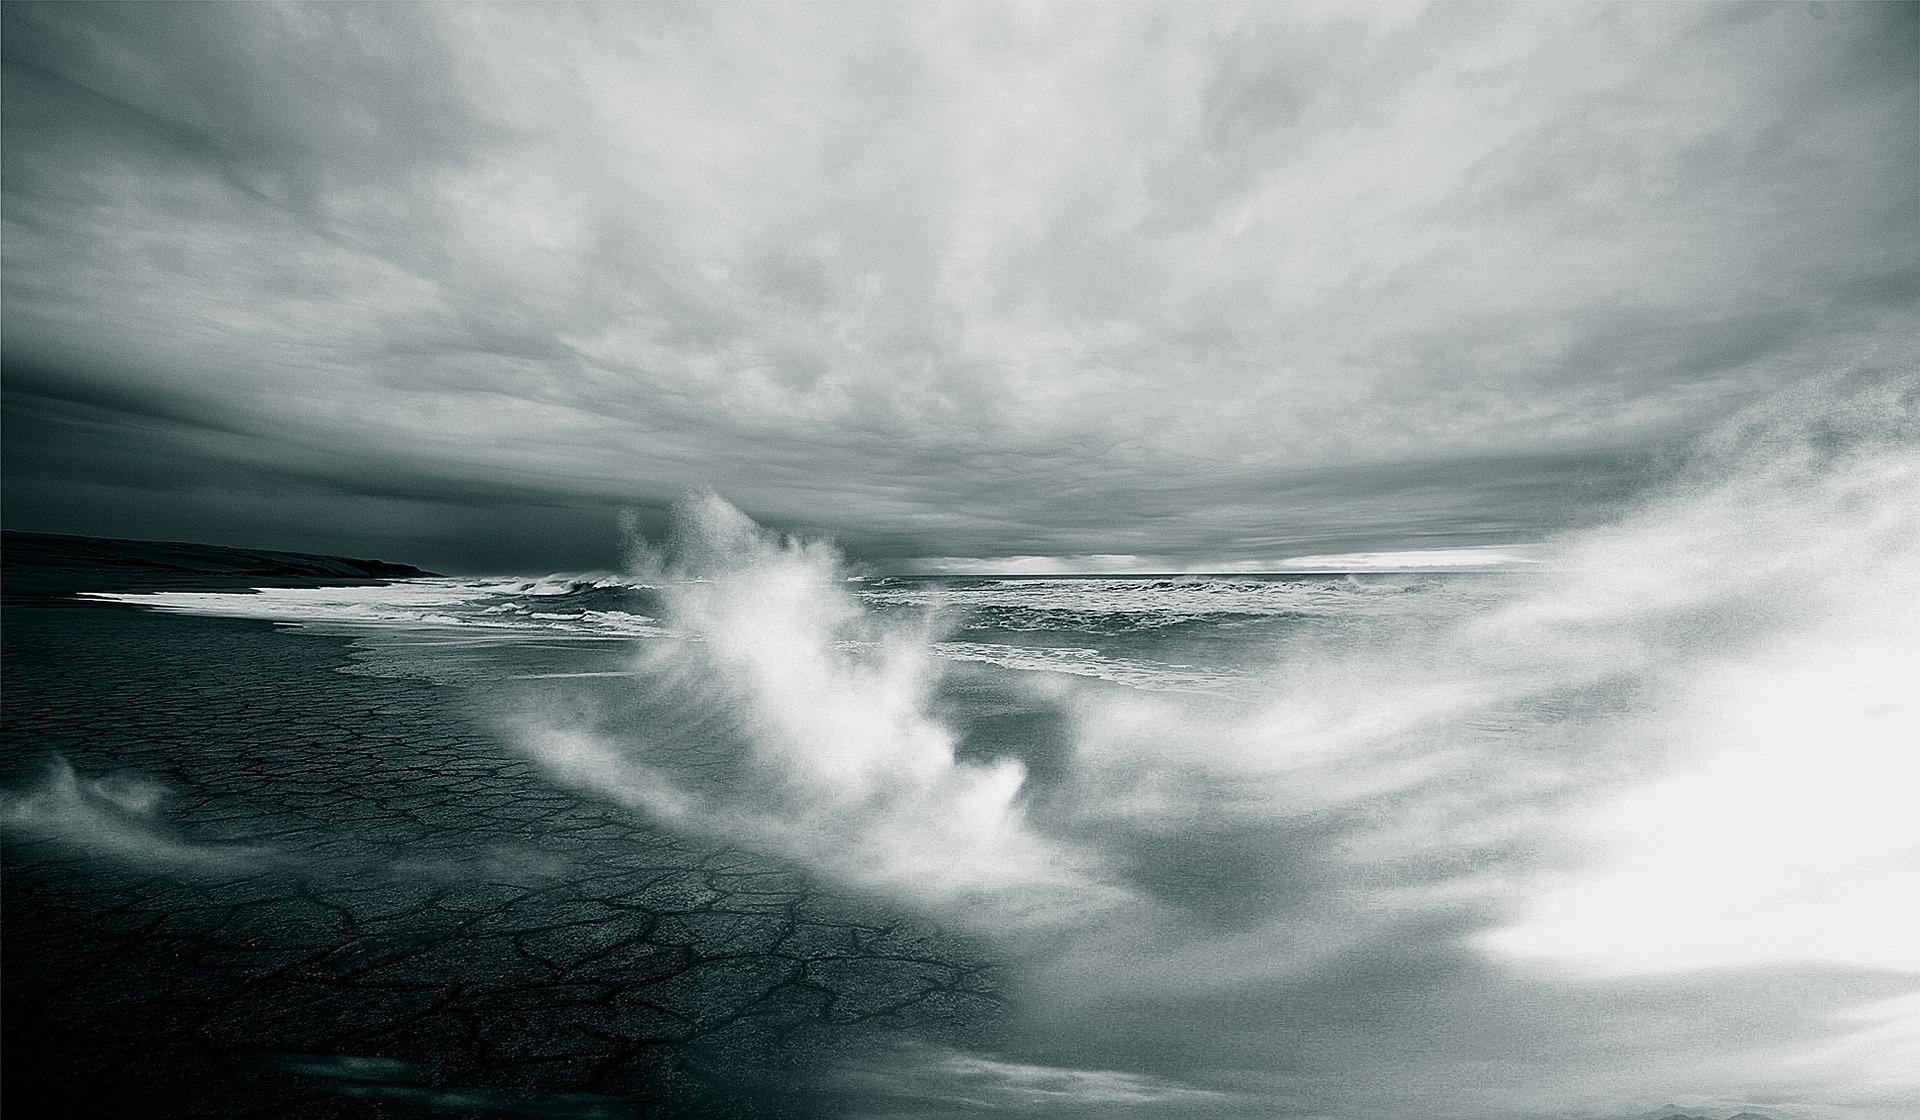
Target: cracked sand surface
(355, 900)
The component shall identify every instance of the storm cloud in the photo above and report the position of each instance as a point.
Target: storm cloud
(456, 283)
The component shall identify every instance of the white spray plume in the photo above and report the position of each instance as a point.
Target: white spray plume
(847, 767)
(1683, 743)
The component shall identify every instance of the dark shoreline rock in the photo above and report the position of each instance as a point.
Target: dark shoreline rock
(49, 569)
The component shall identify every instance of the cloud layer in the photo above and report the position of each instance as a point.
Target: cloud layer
(1208, 281)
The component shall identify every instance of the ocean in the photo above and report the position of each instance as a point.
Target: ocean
(1181, 633)
(1617, 829)
(1623, 831)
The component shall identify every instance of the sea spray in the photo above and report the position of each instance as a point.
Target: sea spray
(841, 759)
(1634, 822)
(1414, 817)
(118, 815)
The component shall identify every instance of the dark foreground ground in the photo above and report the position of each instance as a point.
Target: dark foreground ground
(352, 899)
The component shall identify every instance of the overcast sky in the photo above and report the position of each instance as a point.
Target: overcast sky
(454, 283)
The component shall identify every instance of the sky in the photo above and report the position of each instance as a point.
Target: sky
(1047, 287)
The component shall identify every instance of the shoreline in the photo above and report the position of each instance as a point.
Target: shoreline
(260, 884)
(50, 569)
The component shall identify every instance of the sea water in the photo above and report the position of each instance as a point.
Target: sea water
(1628, 828)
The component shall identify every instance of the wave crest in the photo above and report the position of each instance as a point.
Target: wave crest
(845, 762)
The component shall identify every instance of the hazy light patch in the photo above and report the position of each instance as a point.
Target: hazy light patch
(1791, 840)
(1777, 618)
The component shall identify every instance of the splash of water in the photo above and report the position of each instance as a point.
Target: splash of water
(1682, 744)
(846, 765)
(116, 815)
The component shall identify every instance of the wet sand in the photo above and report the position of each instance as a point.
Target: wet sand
(354, 899)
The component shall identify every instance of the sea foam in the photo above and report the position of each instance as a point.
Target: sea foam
(1683, 743)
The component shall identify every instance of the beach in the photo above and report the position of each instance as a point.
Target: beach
(748, 831)
(260, 886)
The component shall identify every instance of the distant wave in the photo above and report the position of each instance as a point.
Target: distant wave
(568, 606)
(596, 607)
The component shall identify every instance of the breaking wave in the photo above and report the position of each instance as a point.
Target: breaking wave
(1684, 744)
(1633, 825)
(821, 717)
(593, 606)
